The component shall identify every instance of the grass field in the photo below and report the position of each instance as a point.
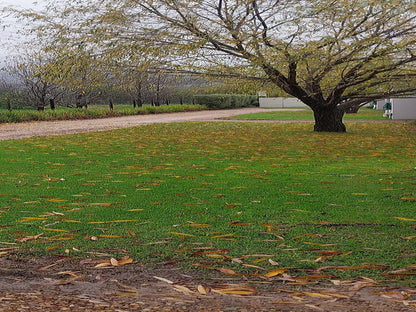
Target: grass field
(307, 114)
(241, 198)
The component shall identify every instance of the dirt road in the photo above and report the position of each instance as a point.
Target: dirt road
(46, 128)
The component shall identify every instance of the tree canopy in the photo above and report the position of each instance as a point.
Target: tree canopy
(333, 55)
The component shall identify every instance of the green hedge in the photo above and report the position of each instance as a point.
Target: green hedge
(221, 101)
(79, 113)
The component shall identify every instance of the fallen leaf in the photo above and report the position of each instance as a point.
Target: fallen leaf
(236, 290)
(223, 236)
(272, 262)
(274, 273)
(408, 237)
(53, 247)
(256, 256)
(29, 238)
(254, 266)
(113, 221)
(105, 204)
(163, 279)
(236, 260)
(53, 213)
(314, 307)
(407, 198)
(70, 273)
(329, 252)
(202, 290)
(183, 289)
(232, 205)
(404, 219)
(319, 259)
(124, 261)
(227, 271)
(113, 262)
(198, 225)
(182, 234)
(56, 200)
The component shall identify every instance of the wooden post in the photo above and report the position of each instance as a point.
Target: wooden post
(9, 105)
(52, 103)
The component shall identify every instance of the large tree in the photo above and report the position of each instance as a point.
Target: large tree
(333, 55)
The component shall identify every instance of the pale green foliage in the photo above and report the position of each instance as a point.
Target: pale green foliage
(322, 51)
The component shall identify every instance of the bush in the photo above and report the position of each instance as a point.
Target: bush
(79, 113)
(223, 101)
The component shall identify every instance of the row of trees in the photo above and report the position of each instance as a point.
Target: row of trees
(332, 55)
(28, 84)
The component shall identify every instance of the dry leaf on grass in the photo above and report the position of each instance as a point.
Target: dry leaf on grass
(274, 273)
(242, 290)
(227, 271)
(29, 238)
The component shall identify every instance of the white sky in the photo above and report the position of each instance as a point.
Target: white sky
(20, 3)
(8, 35)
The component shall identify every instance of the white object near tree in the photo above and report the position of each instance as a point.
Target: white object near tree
(404, 108)
(280, 102)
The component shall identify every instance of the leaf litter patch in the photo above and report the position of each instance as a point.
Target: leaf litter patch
(108, 284)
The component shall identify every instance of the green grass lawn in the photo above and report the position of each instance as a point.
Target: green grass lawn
(235, 197)
(307, 114)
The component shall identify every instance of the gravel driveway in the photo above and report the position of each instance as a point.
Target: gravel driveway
(10, 131)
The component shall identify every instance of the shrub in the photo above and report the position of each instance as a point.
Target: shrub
(223, 101)
(78, 113)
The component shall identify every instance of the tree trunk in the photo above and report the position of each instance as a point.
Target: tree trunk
(329, 120)
(139, 100)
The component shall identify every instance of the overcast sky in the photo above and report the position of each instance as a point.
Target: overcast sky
(8, 35)
(21, 3)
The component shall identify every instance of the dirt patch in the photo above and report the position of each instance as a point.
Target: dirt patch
(68, 284)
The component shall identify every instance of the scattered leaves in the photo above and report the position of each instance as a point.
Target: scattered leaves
(114, 262)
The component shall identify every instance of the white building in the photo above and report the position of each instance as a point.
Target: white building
(280, 102)
(404, 108)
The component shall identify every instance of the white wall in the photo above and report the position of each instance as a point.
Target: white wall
(280, 102)
(380, 104)
(404, 108)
